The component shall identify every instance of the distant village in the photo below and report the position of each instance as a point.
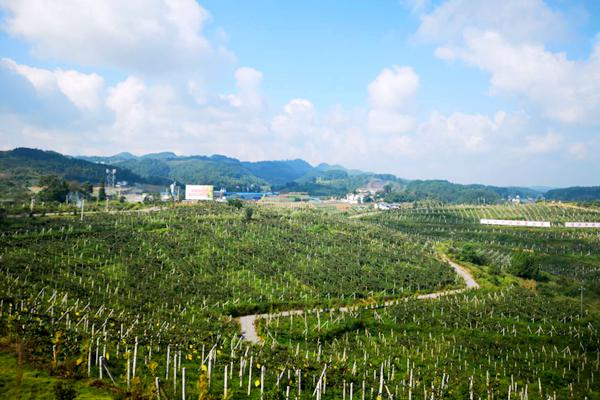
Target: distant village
(114, 189)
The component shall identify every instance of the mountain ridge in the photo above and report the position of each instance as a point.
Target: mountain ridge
(23, 166)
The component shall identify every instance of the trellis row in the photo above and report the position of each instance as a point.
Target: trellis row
(537, 224)
(508, 222)
(582, 224)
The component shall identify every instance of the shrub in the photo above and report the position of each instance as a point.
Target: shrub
(525, 265)
(64, 391)
(468, 253)
(248, 212)
(237, 203)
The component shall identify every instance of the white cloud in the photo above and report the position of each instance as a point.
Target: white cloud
(389, 121)
(389, 95)
(563, 90)
(579, 150)
(393, 87)
(516, 20)
(145, 113)
(416, 6)
(249, 96)
(462, 133)
(297, 120)
(83, 90)
(150, 116)
(41, 79)
(127, 101)
(146, 36)
(507, 40)
(542, 144)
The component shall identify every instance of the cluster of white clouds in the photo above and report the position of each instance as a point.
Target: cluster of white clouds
(83, 90)
(507, 41)
(564, 90)
(167, 98)
(149, 36)
(389, 94)
(515, 20)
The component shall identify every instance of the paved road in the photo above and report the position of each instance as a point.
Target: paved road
(248, 322)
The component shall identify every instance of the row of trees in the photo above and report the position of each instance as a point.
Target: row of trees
(56, 189)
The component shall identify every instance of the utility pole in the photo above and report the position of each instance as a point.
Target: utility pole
(82, 205)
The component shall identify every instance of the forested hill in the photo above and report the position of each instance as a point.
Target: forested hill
(576, 193)
(24, 167)
(299, 176)
(235, 175)
(448, 192)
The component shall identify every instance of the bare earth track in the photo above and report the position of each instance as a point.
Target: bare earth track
(248, 322)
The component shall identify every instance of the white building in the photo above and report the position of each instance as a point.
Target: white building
(359, 197)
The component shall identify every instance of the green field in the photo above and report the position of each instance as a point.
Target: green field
(156, 294)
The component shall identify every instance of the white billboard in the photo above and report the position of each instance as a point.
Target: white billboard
(510, 222)
(582, 224)
(198, 192)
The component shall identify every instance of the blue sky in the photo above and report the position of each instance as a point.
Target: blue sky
(501, 92)
(331, 49)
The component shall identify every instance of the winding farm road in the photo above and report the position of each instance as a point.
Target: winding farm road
(248, 322)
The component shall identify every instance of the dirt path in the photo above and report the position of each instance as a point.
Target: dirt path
(248, 322)
(364, 214)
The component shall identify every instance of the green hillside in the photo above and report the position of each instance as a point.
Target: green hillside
(236, 175)
(453, 193)
(575, 193)
(119, 303)
(24, 167)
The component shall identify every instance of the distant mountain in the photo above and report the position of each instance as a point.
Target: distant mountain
(165, 155)
(576, 193)
(23, 167)
(329, 167)
(541, 189)
(299, 176)
(279, 172)
(218, 170)
(108, 160)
